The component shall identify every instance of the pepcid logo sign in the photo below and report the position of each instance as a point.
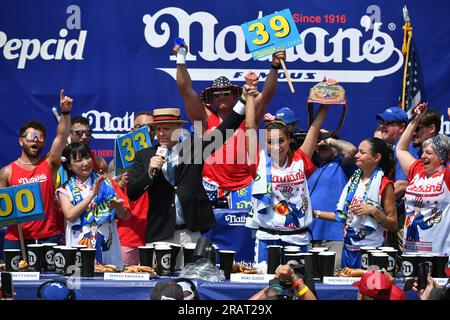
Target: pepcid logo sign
(67, 44)
(358, 45)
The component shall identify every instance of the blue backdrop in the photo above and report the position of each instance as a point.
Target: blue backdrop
(114, 58)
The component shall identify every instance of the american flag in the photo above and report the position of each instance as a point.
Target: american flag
(412, 89)
(414, 92)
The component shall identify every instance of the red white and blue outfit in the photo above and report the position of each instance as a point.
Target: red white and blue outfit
(281, 207)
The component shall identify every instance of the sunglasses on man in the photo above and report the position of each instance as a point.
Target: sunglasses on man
(80, 133)
(218, 94)
(32, 136)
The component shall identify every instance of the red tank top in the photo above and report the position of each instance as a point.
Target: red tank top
(230, 171)
(95, 165)
(132, 231)
(42, 228)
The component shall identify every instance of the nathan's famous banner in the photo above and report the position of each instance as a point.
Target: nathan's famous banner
(115, 58)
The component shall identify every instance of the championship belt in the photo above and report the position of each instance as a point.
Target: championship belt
(327, 92)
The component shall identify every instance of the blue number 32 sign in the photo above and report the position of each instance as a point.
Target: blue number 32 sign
(271, 34)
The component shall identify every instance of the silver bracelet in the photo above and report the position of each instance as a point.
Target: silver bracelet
(317, 213)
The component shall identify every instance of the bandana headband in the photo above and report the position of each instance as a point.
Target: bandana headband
(437, 142)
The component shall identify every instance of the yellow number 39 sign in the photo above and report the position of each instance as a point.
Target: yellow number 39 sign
(20, 204)
(271, 34)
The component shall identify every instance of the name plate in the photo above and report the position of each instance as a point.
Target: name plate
(255, 278)
(127, 276)
(441, 281)
(340, 280)
(25, 276)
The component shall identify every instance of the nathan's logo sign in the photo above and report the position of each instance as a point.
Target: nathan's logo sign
(105, 126)
(366, 42)
(234, 220)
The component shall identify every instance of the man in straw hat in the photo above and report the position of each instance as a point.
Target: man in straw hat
(178, 204)
(223, 172)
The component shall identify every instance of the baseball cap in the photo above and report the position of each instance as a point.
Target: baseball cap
(55, 290)
(393, 114)
(377, 285)
(167, 290)
(287, 115)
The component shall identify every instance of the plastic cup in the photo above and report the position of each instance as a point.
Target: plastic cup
(35, 254)
(226, 261)
(87, 262)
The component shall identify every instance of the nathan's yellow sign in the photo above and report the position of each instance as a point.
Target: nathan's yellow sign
(271, 33)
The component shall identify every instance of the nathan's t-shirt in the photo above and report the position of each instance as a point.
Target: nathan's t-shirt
(228, 165)
(290, 181)
(104, 237)
(42, 228)
(427, 205)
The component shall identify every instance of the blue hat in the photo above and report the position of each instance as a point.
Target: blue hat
(393, 114)
(55, 290)
(287, 115)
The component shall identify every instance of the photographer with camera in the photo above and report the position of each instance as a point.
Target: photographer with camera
(432, 291)
(286, 286)
(290, 119)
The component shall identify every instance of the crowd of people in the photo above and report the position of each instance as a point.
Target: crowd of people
(393, 189)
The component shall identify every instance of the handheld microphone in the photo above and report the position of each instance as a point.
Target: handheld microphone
(55, 113)
(162, 152)
(58, 117)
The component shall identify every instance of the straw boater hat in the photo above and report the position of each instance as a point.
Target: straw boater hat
(219, 84)
(167, 115)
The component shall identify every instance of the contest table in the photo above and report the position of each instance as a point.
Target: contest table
(99, 289)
